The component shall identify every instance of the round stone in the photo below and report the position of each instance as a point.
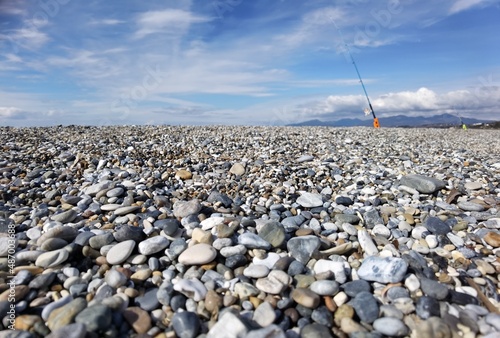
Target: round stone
(198, 254)
(389, 326)
(153, 245)
(325, 287)
(120, 252)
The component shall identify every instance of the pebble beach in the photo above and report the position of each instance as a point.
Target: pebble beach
(224, 231)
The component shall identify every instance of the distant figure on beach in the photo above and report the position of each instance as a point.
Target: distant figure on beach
(464, 127)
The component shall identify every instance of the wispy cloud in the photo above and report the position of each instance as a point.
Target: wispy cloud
(462, 5)
(169, 21)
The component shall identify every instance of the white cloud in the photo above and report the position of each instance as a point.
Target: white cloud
(9, 112)
(28, 38)
(166, 21)
(481, 102)
(462, 5)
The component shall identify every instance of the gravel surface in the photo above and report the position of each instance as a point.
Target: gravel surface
(163, 231)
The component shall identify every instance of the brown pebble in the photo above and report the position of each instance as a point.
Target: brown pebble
(209, 266)
(26, 322)
(138, 319)
(255, 301)
(212, 301)
(493, 239)
(306, 297)
(56, 287)
(304, 232)
(19, 291)
(35, 270)
(330, 304)
(293, 314)
(344, 311)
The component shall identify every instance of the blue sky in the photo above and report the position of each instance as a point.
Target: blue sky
(252, 62)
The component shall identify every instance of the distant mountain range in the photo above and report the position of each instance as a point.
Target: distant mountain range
(444, 120)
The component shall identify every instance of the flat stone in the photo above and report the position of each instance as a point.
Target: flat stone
(390, 326)
(366, 306)
(306, 297)
(65, 216)
(65, 314)
(264, 314)
(94, 189)
(238, 169)
(153, 245)
(47, 310)
(315, 330)
(97, 242)
(52, 258)
(129, 232)
(302, 248)
(271, 331)
(185, 208)
(304, 158)
(229, 325)
(366, 243)
(122, 211)
(184, 174)
(273, 232)
(191, 288)
(492, 238)
(423, 184)
(138, 319)
(309, 200)
(120, 252)
(253, 241)
(473, 185)
(436, 226)
(274, 283)
(383, 270)
(95, 318)
(76, 330)
(325, 287)
(198, 254)
(110, 207)
(338, 269)
(186, 324)
(66, 233)
(149, 300)
(168, 225)
(354, 287)
(433, 288)
(256, 271)
(470, 206)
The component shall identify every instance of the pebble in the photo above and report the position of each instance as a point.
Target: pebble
(325, 287)
(186, 324)
(138, 319)
(423, 184)
(383, 270)
(306, 297)
(95, 318)
(302, 248)
(153, 245)
(198, 254)
(390, 326)
(309, 200)
(52, 258)
(366, 306)
(264, 314)
(120, 252)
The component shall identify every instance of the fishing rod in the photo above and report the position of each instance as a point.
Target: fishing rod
(376, 123)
